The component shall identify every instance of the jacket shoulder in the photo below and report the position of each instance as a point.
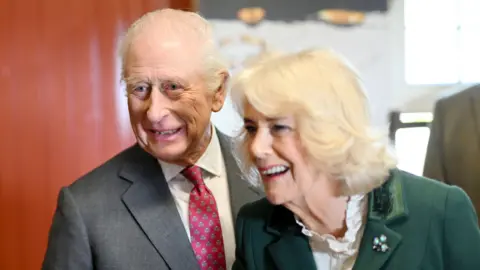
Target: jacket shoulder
(410, 180)
(459, 96)
(257, 209)
(104, 178)
(426, 194)
(415, 185)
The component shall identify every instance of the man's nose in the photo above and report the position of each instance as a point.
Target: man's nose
(261, 145)
(158, 106)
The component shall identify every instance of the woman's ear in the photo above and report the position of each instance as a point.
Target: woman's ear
(220, 93)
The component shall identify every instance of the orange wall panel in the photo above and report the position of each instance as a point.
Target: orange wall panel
(62, 109)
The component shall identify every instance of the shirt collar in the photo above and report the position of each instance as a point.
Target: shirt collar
(210, 161)
(355, 218)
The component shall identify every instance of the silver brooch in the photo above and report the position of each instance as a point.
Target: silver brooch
(380, 243)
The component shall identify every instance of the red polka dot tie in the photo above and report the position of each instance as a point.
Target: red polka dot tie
(205, 230)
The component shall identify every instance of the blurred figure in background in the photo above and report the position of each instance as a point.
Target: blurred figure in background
(334, 197)
(453, 152)
(169, 201)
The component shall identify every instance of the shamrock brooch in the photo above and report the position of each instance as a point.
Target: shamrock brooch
(380, 243)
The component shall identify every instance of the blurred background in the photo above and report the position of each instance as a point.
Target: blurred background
(64, 110)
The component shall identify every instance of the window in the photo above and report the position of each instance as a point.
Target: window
(410, 133)
(411, 148)
(442, 41)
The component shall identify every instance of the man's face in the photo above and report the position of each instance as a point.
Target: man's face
(168, 102)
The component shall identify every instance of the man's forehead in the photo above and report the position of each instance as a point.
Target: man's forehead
(172, 56)
(163, 43)
(168, 36)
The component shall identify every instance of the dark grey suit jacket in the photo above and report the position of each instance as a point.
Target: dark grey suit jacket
(453, 153)
(122, 215)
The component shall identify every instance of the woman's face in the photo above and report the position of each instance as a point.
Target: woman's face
(276, 151)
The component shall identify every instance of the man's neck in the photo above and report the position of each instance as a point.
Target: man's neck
(202, 146)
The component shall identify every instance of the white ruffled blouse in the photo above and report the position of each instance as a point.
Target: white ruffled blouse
(331, 253)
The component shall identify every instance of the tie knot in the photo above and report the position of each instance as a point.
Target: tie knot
(193, 174)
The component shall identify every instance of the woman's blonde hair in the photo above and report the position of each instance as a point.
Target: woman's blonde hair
(325, 95)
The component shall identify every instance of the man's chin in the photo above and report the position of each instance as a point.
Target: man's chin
(170, 153)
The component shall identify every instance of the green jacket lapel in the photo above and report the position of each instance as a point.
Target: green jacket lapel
(378, 221)
(369, 258)
(292, 252)
(292, 249)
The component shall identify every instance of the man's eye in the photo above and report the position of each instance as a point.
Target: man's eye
(141, 91)
(171, 86)
(140, 88)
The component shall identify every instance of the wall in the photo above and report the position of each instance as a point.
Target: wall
(60, 107)
(375, 48)
(365, 46)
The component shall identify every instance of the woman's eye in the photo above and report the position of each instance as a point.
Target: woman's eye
(250, 129)
(280, 128)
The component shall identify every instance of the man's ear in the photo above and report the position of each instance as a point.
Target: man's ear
(220, 93)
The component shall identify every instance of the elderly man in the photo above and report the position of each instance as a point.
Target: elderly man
(169, 201)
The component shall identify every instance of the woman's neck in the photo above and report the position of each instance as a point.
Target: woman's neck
(322, 209)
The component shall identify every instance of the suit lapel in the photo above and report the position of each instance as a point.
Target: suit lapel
(151, 204)
(239, 188)
(378, 224)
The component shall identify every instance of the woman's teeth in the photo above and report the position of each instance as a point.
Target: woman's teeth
(275, 170)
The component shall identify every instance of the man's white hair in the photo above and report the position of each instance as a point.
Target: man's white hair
(180, 24)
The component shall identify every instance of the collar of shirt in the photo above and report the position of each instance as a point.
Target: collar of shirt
(355, 220)
(210, 161)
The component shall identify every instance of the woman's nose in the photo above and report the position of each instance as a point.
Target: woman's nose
(261, 145)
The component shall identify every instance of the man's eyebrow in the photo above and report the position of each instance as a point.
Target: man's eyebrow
(175, 79)
(136, 80)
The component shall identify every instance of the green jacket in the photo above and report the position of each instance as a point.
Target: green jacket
(428, 225)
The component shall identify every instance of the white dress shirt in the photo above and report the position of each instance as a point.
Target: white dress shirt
(215, 177)
(331, 253)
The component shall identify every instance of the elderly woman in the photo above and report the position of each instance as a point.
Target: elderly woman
(334, 199)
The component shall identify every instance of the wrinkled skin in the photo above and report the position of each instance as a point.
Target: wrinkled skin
(303, 189)
(166, 91)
